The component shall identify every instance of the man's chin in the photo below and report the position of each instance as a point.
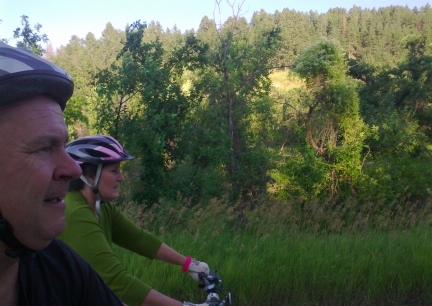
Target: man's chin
(53, 232)
(59, 228)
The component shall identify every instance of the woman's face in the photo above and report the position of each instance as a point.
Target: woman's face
(109, 182)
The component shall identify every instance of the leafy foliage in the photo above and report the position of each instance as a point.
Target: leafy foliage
(396, 101)
(329, 108)
(143, 104)
(29, 38)
(206, 118)
(235, 81)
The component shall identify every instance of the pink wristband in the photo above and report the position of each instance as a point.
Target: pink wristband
(187, 264)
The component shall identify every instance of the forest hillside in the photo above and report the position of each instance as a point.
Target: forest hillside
(332, 107)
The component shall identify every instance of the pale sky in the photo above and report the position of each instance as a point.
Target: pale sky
(61, 19)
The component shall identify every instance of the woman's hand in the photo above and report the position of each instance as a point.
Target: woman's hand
(196, 267)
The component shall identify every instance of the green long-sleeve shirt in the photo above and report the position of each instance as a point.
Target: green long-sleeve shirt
(93, 241)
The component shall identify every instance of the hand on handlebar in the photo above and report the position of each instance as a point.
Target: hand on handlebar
(211, 284)
(197, 267)
(212, 300)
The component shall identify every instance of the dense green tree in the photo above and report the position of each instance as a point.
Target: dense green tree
(336, 27)
(415, 76)
(234, 81)
(296, 32)
(353, 45)
(156, 88)
(29, 38)
(73, 59)
(83, 58)
(142, 103)
(170, 39)
(424, 24)
(328, 107)
(397, 100)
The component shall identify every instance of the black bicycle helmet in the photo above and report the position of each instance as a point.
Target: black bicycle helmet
(24, 74)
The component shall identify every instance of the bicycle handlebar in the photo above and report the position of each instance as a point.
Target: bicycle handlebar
(210, 285)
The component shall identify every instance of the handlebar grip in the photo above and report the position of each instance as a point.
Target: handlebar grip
(208, 286)
(203, 277)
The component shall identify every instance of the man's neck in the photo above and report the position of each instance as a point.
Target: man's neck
(8, 278)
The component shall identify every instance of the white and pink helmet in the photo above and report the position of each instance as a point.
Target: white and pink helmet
(97, 149)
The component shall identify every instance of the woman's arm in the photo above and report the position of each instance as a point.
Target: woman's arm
(155, 298)
(190, 265)
(169, 255)
(84, 234)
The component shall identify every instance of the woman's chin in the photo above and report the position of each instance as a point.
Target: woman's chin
(111, 197)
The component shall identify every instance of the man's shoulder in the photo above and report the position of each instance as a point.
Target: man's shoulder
(58, 275)
(60, 256)
(58, 246)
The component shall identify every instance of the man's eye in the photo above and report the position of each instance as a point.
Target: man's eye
(45, 149)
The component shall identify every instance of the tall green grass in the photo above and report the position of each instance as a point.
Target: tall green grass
(272, 263)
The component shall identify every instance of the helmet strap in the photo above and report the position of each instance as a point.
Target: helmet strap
(98, 202)
(94, 187)
(16, 248)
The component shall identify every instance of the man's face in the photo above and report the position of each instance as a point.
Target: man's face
(35, 170)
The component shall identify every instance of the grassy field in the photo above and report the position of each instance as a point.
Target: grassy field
(267, 263)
